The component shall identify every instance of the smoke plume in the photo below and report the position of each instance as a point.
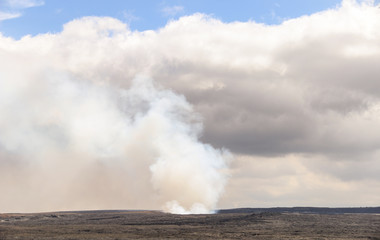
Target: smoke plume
(67, 143)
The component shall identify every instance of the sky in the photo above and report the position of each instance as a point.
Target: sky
(187, 107)
(23, 17)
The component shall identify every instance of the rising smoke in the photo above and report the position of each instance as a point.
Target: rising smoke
(67, 143)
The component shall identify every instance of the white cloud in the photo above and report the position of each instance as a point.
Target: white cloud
(15, 7)
(8, 15)
(129, 16)
(172, 10)
(298, 103)
(19, 4)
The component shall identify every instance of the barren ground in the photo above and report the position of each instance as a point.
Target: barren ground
(157, 225)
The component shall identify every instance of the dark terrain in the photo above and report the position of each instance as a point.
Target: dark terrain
(247, 223)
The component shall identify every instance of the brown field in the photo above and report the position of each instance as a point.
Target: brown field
(158, 225)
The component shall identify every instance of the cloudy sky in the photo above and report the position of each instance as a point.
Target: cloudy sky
(187, 106)
(41, 16)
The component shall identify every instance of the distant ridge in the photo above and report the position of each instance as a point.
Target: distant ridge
(317, 210)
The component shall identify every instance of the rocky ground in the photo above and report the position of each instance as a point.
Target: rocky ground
(158, 225)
